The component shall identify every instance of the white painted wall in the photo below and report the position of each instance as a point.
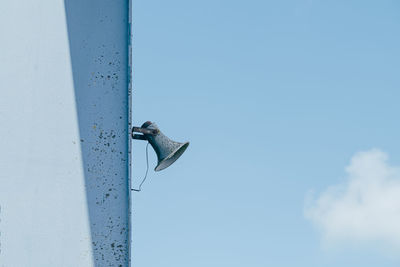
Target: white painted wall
(63, 191)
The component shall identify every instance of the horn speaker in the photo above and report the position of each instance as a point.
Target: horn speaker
(167, 151)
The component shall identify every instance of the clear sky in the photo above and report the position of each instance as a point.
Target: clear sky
(281, 101)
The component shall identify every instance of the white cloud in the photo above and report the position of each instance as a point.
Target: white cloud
(366, 208)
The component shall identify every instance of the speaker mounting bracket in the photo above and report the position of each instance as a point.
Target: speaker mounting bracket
(144, 132)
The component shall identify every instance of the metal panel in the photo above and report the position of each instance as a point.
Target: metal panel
(64, 195)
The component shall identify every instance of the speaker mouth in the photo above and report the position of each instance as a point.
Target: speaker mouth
(171, 158)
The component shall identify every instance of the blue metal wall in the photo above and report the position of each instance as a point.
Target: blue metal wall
(64, 185)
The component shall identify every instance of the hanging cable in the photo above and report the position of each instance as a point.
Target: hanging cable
(147, 170)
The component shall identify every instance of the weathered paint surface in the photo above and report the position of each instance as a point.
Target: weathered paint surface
(64, 198)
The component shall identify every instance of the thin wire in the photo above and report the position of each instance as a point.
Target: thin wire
(147, 170)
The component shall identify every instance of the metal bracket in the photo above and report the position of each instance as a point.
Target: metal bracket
(144, 131)
(139, 137)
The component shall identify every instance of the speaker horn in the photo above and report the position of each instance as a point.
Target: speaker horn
(167, 151)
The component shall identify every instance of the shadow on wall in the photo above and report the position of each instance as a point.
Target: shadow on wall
(98, 38)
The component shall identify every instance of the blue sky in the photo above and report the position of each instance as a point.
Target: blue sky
(276, 98)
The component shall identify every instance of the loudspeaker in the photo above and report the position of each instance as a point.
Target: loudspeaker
(167, 151)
